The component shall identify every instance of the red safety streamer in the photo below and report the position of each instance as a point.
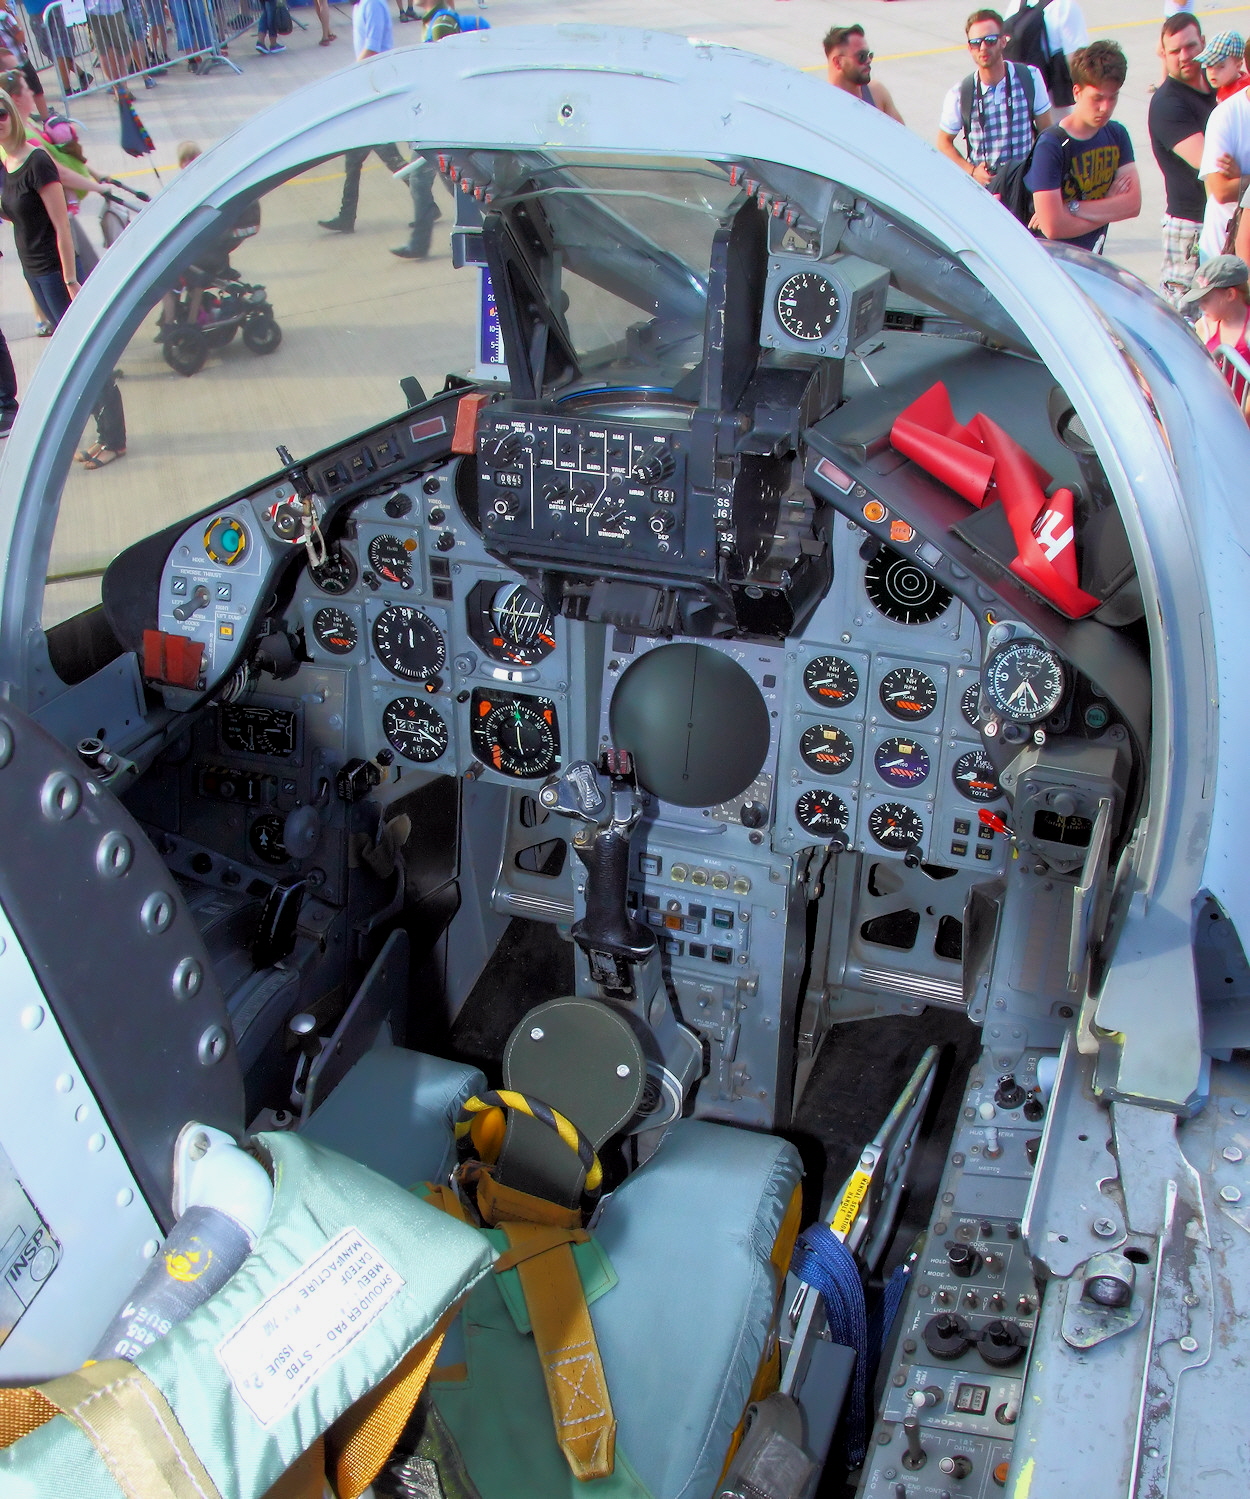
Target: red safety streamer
(981, 463)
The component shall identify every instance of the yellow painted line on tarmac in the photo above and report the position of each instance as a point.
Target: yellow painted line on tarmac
(1223, 10)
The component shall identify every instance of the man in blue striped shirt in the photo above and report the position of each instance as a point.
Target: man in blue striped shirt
(999, 109)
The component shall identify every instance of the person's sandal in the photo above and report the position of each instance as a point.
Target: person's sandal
(101, 457)
(326, 40)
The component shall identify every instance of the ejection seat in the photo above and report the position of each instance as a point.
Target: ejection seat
(691, 1247)
(697, 1241)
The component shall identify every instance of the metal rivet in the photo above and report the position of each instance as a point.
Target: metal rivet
(214, 1044)
(1239, 1110)
(6, 744)
(82, 1113)
(60, 797)
(95, 1143)
(157, 912)
(65, 1083)
(124, 1198)
(622, 1070)
(198, 1148)
(151, 1249)
(3, 944)
(32, 1017)
(1231, 1153)
(536, 1033)
(187, 978)
(114, 856)
(1189, 1345)
(1230, 1194)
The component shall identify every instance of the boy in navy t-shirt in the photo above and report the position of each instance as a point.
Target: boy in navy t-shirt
(1083, 176)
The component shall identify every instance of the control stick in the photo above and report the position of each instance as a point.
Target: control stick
(607, 804)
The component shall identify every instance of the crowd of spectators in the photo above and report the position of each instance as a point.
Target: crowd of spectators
(1033, 123)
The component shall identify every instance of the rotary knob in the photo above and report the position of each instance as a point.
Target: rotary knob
(508, 505)
(655, 464)
(661, 522)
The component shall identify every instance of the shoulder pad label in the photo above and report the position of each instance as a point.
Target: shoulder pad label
(306, 1326)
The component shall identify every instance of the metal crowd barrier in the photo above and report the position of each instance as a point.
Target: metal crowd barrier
(91, 50)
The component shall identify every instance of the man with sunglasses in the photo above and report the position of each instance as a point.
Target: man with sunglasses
(999, 109)
(849, 65)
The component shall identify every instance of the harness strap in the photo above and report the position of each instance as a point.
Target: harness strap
(133, 1428)
(22, 1411)
(362, 1439)
(565, 1339)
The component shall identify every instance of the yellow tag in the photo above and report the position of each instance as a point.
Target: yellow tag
(848, 1208)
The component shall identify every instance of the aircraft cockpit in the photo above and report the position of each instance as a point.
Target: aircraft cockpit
(694, 707)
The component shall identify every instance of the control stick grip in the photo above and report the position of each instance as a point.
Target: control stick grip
(607, 925)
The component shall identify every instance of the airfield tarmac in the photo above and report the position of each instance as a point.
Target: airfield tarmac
(354, 317)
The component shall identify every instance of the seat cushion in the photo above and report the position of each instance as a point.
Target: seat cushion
(689, 1236)
(394, 1112)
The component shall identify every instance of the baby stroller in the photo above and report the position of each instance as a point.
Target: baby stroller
(213, 303)
(227, 305)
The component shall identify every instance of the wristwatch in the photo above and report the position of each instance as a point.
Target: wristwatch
(1073, 205)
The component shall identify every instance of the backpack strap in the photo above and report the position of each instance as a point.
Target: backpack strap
(965, 106)
(1023, 74)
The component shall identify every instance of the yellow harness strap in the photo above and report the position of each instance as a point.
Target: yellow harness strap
(22, 1411)
(133, 1428)
(362, 1439)
(565, 1339)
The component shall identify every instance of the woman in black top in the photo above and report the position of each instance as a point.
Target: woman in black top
(33, 200)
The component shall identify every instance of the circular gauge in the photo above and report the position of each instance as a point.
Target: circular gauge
(335, 631)
(822, 814)
(1024, 681)
(901, 590)
(830, 681)
(826, 750)
(390, 558)
(516, 735)
(265, 838)
(896, 827)
(415, 730)
(337, 574)
(975, 777)
(523, 629)
(907, 693)
(408, 643)
(902, 762)
(970, 703)
(807, 305)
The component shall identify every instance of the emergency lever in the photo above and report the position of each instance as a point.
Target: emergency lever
(607, 804)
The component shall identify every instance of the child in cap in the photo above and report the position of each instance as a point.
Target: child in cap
(1223, 61)
(1221, 293)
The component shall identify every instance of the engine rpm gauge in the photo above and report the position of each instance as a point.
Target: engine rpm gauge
(975, 777)
(415, 730)
(830, 681)
(522, 627)
(908, 693)
(902, 762)
(822, 814)
(807, 305)
(518, 736)
(335, 631)
(1024, 681)
(826, 749)
(408, 643)
(391, 559)
(896, 827)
